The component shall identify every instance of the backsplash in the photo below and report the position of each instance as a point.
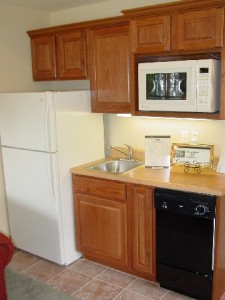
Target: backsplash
(132, 130)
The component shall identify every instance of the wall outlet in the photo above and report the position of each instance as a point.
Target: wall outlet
(194, 137)
(185, 136)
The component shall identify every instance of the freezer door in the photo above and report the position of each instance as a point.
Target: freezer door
(27, 121)
(73, 101)
(32, 191)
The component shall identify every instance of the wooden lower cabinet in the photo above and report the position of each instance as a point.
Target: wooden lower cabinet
(143, 233)
(114, 224)
(101, 226)
(101, 214)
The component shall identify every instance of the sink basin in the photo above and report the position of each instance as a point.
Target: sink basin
(117, 165)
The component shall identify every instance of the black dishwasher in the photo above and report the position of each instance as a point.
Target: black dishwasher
(185, 225)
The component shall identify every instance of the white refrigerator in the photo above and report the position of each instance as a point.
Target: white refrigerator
(43, 135)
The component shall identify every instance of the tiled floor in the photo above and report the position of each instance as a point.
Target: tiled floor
(86, 280)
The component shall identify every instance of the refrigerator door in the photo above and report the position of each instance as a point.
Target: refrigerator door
(32, 190)
(27, 121)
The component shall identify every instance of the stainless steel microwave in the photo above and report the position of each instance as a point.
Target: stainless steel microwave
(185, 86)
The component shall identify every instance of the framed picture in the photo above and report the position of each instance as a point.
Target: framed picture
(194, 155)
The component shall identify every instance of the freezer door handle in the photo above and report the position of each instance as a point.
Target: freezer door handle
(50, 124)
(46, 125)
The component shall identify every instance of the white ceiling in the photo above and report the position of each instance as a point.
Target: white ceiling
(50, 5)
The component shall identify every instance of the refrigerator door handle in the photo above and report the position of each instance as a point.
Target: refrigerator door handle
(51, 181)
(50, 123)
(47, 125)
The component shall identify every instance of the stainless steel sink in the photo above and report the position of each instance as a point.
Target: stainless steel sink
(117, 165)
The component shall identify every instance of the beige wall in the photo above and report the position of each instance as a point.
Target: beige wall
(15, 61)
(15, 65)
(105, 9)
(119, 130)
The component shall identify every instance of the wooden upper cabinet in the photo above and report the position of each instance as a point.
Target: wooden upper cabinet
(43, 57)
(71, 55)
(150, 35)
(109, 69)
(59, 56)
(201, 29)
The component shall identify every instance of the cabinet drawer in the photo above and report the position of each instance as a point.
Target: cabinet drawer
(102, 188)
(202, 29)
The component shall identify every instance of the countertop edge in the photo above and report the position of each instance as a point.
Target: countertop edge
(212, 183)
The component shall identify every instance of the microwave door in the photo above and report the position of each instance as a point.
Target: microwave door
(176, 86)
(167, 88)
(156, 86)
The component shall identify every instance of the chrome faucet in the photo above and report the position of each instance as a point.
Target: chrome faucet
(130, 151)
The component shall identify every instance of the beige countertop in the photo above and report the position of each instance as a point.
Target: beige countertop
(207, 182)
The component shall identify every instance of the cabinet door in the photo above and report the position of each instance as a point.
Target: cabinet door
(202, 29)
(143, 232)
(101, 229)
(109, 69)
(150, 35)
(43, 57)
(71, 55)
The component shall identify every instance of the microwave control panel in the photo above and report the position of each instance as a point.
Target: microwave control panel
(203, 85)
(208, 85)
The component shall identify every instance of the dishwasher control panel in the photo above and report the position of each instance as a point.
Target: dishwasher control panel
(193, 204)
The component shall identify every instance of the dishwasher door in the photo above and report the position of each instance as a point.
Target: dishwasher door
(184, 246)
(185, 242)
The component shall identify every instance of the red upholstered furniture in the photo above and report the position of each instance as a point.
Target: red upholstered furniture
(6, 252)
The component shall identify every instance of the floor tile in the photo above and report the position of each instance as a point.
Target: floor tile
(175, 296)
(115, 277)
(147, 289)
(97, 290)
(68, 281)
(86, 280)
(127, 295)
(23, 260)
(43, 270)
(87, 267)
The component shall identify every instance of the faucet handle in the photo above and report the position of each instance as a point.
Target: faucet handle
(130, 151)
(128, 146)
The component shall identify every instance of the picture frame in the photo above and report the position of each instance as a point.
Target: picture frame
(200, 155)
